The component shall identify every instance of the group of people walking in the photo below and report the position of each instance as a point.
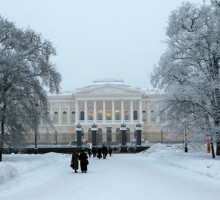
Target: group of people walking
(83, 158)
(100, 152)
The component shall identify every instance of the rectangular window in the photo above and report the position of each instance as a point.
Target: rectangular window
(126, 115)
(99, 117)
(82, 115)
(135, 115)
(90, 115)
(108, 115)
(117, 115)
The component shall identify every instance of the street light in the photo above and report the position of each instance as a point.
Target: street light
(36, 129)
(185, 139)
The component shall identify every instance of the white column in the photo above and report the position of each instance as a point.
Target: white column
(85, 111)
(77, 111)
(69, 113)
(131, 111)
(60, 114)
(148, 112)
(140, 110)
(122, 111)
(113, 111)
(103, 113)
(94, 112)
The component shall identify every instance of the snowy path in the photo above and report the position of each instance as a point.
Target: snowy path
(121, 177)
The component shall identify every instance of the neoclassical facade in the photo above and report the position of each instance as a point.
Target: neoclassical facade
(107, 103)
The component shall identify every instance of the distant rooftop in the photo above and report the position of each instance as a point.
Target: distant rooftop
(108, 80)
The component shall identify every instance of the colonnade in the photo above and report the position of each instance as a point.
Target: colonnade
(122, 111)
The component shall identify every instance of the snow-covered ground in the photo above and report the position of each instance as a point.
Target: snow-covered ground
(159, 173)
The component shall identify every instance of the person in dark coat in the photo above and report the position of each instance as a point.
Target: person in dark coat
(75, 161)
(89, 151)
(83, 161)
(94, 152)
(104, 151)
(110, 151)
(99, 155)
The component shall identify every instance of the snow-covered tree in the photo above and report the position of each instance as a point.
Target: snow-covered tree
(189, 69)
(25, 72)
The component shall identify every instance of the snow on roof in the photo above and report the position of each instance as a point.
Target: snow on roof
(118, 82)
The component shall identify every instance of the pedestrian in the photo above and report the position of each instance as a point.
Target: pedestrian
(99, 154)
(83, 161)
(104, 151)
(75, 161)
(110, 151)
(94, 151)
(89, 151)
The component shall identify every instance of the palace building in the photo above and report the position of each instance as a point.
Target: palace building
(108, 104)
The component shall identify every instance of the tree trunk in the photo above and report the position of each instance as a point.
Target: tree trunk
(2, 131)
(1, 137)
(212, 148)
(218, 147)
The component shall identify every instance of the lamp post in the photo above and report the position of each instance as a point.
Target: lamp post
(56, 137)
(185, 139)
(36, 129)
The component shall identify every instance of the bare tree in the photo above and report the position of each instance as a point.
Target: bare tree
(25, 72)
(189, 69)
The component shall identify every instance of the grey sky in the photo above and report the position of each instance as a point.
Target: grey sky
(97, 39)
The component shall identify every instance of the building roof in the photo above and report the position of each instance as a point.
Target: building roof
(117, 83)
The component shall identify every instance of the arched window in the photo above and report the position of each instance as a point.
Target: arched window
(108, 115)
(99, 136)
(109, 135)
(81, 115)
(64, 116)
(135, 115)
(90, 115)
(89, 135)
(118, 136)
(73, 117)
(55, 117)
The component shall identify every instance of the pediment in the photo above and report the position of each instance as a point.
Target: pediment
(109, 89)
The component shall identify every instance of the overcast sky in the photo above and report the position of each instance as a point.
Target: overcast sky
(98, 39)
